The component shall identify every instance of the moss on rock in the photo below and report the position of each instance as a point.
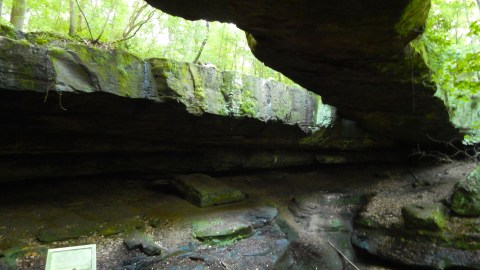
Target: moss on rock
(8, 31)
(220, 232)
(203, 190)
(428, 217)
(466, 195)
(413, 18)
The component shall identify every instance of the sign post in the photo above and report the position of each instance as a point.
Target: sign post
(72, 258)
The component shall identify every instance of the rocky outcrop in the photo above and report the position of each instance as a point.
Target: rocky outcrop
(206, 90)
(410, 224)
(354, 54)
(71, 109)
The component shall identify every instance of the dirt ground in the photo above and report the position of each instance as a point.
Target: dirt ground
(116, 205)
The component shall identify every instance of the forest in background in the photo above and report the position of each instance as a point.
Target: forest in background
(450, 43)
(140, 29)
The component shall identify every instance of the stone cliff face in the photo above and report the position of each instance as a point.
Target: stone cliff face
(353, 53)
(70, 109)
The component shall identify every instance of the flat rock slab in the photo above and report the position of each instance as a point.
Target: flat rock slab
(228, 226)
(69, 226)
(203, 190)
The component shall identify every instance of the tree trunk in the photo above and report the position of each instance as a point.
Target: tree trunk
(79, 22)
(73, 17)
(478, 4)
(1, 5)
(17, 17)
(203, 43)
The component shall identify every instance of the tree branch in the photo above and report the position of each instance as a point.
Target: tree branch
(85, 18)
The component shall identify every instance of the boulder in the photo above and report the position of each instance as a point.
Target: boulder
(223, 228)
(139, 240)
(406, 224)
(428, 217)
(203, 190)
(322, 219)
(220, 232)
(466, 195)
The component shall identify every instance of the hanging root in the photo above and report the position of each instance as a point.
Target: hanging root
(59, 99)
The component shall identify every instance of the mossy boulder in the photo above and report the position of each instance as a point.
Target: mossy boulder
(232, 224)
(203, 190)
(425, 217)
(466, 195)
(9, 31)
(220, 232)
(25, 67)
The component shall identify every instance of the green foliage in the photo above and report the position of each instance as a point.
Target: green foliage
(159, 35)
(247, 106)
(451, 47)
(413, 17)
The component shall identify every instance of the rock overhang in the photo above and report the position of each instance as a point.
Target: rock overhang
(353, 53)
(72, 109)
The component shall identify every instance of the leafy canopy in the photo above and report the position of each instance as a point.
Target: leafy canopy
(450, 46)
(145, 31)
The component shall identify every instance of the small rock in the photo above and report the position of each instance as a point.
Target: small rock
(219, 231)
(203, 190)
(139, 240)
(466, 195)
(429, 217)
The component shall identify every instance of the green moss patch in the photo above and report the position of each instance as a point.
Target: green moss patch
(203, 190)
(413, 18)
(425, 217)
(220, 232)
(466, 195)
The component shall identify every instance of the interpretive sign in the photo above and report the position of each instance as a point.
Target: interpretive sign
(72, 258)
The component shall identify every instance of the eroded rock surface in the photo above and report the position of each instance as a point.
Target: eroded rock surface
(409, 223)
(71, 109)
(353, 53)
